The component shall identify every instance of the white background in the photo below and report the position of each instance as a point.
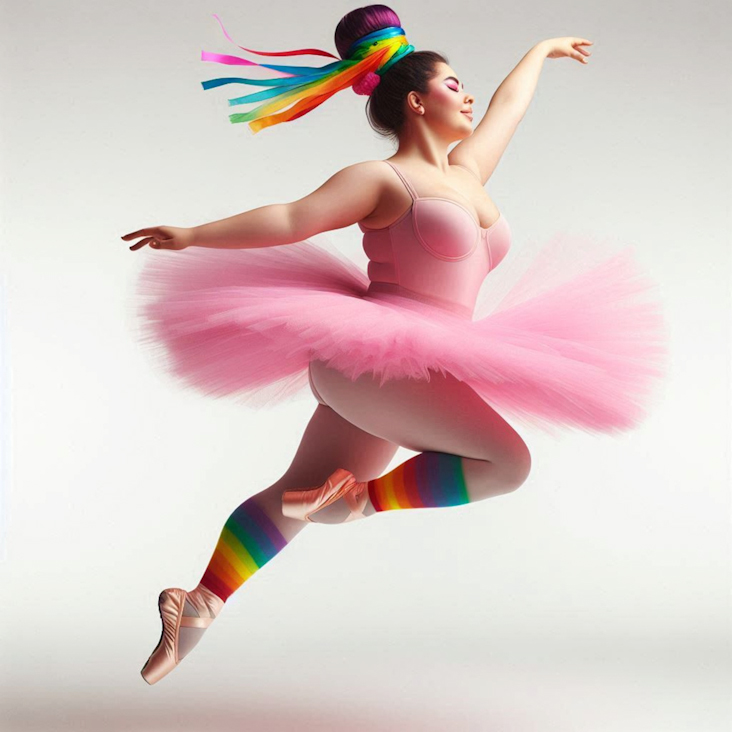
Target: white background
(597, 597)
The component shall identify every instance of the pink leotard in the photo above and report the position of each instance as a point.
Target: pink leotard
(582, 351)
(435, 252)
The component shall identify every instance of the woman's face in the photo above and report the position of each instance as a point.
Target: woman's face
(446, 103)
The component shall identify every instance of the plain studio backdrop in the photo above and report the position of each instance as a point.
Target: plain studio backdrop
(596, 597)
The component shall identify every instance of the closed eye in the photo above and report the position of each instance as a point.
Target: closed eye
(457, 81)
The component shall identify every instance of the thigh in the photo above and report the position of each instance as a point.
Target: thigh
(440, 415)
(329, 442)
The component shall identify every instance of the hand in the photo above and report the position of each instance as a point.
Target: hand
(162, 237)
(570, 46)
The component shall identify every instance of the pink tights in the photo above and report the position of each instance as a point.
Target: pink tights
(358, 425)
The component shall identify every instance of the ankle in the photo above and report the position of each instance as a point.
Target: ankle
(339, 511)
(206, 603)
(368, 509)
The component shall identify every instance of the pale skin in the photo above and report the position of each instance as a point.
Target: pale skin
(369, 192)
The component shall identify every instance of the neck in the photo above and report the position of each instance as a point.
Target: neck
(419, 146)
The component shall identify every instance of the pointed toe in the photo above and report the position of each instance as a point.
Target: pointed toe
(171, 604)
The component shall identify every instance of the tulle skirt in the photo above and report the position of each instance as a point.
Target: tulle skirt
(570, 336)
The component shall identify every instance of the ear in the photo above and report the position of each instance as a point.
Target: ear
(414, 102)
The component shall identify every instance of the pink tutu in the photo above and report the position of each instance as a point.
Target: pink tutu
(580, 347)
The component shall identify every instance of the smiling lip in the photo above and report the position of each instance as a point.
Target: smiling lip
(469, 114)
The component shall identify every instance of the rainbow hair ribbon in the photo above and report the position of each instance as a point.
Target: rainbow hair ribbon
(306, 87)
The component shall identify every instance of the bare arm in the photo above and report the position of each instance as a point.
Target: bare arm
(482, 151)
(266, 226)
(519, 86)
(344, 199)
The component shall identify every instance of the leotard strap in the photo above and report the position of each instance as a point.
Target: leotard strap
(407, 184)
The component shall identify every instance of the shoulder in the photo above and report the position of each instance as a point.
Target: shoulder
(374, 165)
(371, 169)
(368, 175)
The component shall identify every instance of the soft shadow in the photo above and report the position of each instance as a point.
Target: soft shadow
(274, 717)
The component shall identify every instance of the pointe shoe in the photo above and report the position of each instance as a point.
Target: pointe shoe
(172, 603)
(302, 504)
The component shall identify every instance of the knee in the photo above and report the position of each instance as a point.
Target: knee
(493, 477)
(516, 469)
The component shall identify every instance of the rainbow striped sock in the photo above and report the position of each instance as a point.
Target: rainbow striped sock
(248, 541)
(428, 480)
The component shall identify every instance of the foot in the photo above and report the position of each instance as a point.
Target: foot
(185, 617)
(339, 511)
(341, 498)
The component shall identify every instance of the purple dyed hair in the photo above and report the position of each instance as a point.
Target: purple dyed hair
(385, 105)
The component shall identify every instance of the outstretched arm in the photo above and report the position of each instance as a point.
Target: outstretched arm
(483, 149)
(345, 198)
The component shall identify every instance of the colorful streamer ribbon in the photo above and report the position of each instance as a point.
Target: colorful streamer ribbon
(306, 87)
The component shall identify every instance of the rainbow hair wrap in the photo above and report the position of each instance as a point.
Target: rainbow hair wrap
(306, 87)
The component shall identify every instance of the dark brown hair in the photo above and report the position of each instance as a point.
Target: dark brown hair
(385, 105)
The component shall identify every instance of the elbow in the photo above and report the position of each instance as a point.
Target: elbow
(299, 221)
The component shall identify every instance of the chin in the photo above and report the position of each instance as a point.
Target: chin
(458, 133)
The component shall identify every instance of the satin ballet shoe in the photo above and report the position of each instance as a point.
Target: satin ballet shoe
(302, 504)
(171, 604)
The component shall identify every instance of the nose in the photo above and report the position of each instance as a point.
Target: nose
(469, 98)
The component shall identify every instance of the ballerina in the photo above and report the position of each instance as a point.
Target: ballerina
(251, 308)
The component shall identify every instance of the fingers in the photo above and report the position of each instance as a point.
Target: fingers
(580, 53)
(135, 234)
(153, 238)
(153, 243)
(140, 244)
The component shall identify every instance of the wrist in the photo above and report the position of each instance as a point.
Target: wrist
(194, 235)
(544, 48)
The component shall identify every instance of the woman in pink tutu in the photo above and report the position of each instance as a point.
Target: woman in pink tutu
(394, 356)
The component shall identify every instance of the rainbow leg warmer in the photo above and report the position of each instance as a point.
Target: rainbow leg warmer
(248, 541)
(428, 480)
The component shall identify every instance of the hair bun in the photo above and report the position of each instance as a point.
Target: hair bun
(367, 83)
